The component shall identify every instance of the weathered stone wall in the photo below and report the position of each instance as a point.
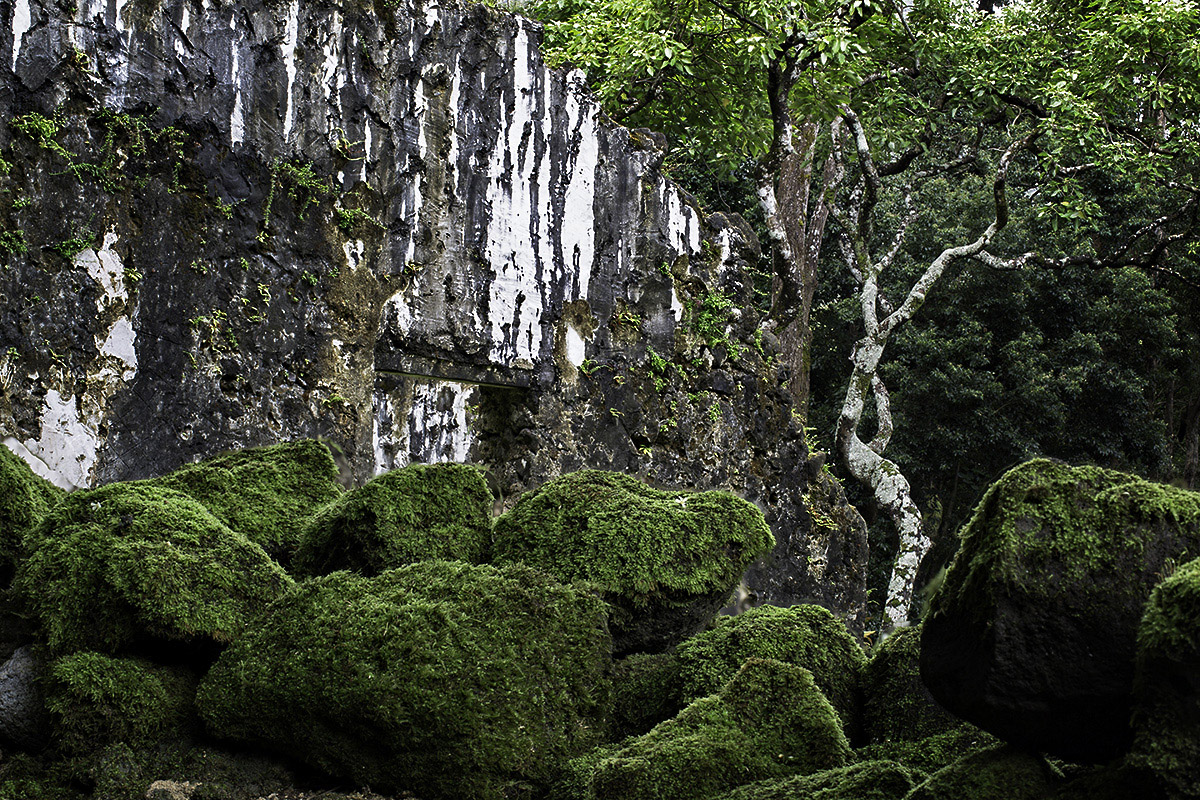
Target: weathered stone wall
(231, 224)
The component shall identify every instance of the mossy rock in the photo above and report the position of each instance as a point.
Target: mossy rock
(1166, 716)
(646, 691)
(665, 560)
(928, 755)
(1116, 781)
(132, 562)
(1033, 633)
(896, 705)
(267, 494)
(1004, 773)
(869, 780)
(25, 498)
(769, 721)
(122, 772)
(422, 512)
(95, 700)
(444, 678)
(28, 777)
(804, 635)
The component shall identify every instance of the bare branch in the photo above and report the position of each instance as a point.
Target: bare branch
(883, 412)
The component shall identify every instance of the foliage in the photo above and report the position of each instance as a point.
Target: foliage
(769, 721)
(806, 636)
(637, 544)
(97, 699)
(114, 566)
(267, 494)
(867, 780)
(24, 499)
(1166, 720)
(444, 678)
(419, 513)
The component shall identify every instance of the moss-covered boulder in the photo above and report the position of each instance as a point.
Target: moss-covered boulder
(646, 691)
(1004, 773)
(1116, 781)
(869, 780)
(927, 756)
(1033, 634)
(444, 678)
(896, 705)
(770, 721)
(267, 494)
(1166, 716)
(131, 562)
(24, 499)
(422, 512)
(807, 636)
(95, 700)
(665, 560)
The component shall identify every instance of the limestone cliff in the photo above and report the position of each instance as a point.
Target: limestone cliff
(384, 224)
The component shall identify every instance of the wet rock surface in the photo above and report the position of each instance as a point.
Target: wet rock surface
(230, 225)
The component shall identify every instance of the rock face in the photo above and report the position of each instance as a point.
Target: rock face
(1033, 634)
(385, 224)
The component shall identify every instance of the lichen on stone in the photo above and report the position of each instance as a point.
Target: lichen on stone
(131, 562)
(769, 721)
(421, 512)
(443, 678)
(806, 636)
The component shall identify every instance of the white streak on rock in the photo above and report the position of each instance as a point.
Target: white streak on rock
(121, 345)
(292, 32)
(331, 79)
(576, 347)
(68, 445)
(354, 253)
(35, 463)
(237, 119)
(22, 22)
(578, 229)
(366, 147)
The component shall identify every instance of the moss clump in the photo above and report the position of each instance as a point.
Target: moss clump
(666, 561)
(1166, 717)
(932, 753)
(805, 635)
(646, 691)
(267, 494)
(896, 705)
(444, 678)
(422, 512)
(24, 499)
(115, 565)
(1000, 774)
(770, 721)
(121, 772)
(96, 699)
(869, 780)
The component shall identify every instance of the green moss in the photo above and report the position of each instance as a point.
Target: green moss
(1000, 774)
(267, 494)
(643, 547)
(444, 678)
(869, 780)
(115, 565)
(95, 699)
(418, 513)
(24, 499)
(121, 772)
(932, 753)
(1045, 518)
(896, 705)
(769, 721)
(27, 777)
(646, 691)
(1166, 718)
(1116, 781)
(804, 635)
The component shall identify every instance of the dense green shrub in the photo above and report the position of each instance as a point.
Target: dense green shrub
(444, 678)
(1166, 717)
(769, 721)
(1003, 773)
(655, 554)
(115, 565)
(96, 699)
(896, 705)
(267, 494)
(868, 780)
(422, 512)
(24, 499)
(805, 635)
